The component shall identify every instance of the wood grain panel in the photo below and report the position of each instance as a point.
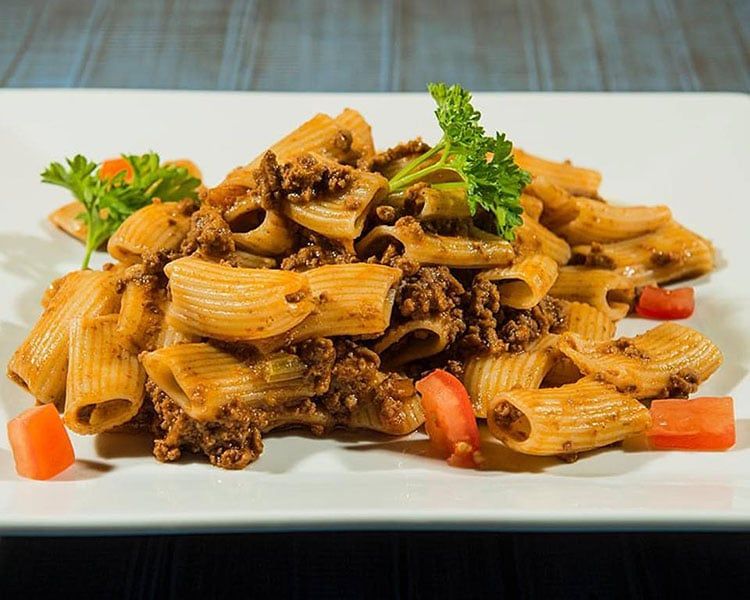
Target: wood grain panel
(351, 45)
(318, 45)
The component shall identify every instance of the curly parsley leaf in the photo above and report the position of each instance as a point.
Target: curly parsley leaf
(108, 201)
(483, 163)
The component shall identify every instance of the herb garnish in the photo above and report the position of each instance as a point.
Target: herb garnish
(108, 201)
(484, 164)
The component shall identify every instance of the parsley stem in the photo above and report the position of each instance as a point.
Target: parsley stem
(89, 251)
(413, 164)
(422, 173)
(450, 185)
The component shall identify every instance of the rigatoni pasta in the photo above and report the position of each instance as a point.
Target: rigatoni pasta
(202, 378)
(323, 283)
(157, 227)
(40, 364)
(565, 420)
(667, 361)
(235, 304)
(608, 291)
(481, 250)
(106, 382)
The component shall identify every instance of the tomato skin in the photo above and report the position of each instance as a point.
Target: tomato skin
(699, 424)
(112, 166)
(40, 444)
(449, 418)
(657, 303)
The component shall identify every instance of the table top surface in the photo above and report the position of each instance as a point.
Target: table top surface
(391, 45)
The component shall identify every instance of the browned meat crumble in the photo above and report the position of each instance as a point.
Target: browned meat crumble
(596, 258)
(209, 234)
(493, 328)
(681, 384)
(627, 348)
(315, 250)
(231, 441)
(381, 161)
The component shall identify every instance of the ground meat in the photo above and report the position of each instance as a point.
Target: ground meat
(231, 441)
(393, 256)
(595, 258)
(451, 227)
(493, 328)
(356, 379)
(315, 250)
(386, 214)
(319, 356)
(521, 327)
(209, 235)
(149, 272)
(659, 258)
(505, 416)
(381, 161)
(626, 347)
(144, 421)
(431, 291)
(268, 181)
(305, 177)
(681, 384)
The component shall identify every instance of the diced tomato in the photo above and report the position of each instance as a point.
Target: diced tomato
(449, 418)
(656, 303)
(698, 424)
(40, 444)
(113, 166)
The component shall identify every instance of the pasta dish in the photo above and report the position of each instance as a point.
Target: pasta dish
(327, 285)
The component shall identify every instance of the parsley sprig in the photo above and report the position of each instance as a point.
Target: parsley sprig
(484, 163)
(108, 201)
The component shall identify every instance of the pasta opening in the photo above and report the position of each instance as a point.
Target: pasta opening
(16, 378)
(377, 247)
(246, 222)
(517, 291)
(412, 346)
(619, 299)
(164, 379)
(104, 413)
(511, 422)
(123, 253)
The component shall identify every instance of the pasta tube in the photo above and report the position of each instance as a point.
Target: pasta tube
(235, 304)
(486, 376)
(66, 219)
(202, 379)
(40, 364)
(258, 230)
(351, 299)
(667, 361)
(524, 283)
(573, 418)
(599, 221)
(105, 383)
(575, 180)
(160, 226)
(670, 253)
(482, 250)
(534, 238)
(610, 292)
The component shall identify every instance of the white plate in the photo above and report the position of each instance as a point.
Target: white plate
(689, 151)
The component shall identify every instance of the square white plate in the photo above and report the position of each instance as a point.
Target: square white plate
(688, 151)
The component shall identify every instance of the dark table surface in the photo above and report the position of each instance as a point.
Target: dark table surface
(393, 45)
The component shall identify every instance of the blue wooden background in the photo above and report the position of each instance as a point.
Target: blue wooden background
(340, 45)
(370, 45)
